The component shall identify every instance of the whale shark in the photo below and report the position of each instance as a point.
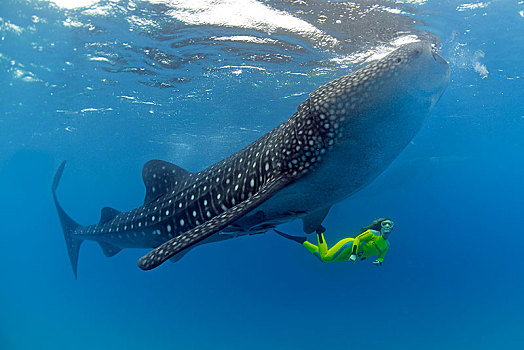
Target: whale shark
(339, 140)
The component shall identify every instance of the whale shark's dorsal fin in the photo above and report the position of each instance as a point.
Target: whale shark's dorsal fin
(161, 177)
(108, 214)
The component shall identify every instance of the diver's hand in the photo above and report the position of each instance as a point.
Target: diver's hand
(377, 263)
(352, 258)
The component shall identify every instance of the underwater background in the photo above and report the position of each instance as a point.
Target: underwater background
(109, 85)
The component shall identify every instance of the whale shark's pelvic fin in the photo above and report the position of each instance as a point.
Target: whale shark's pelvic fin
(161, 177)
(172, 247)
(109, 249)
(313, 222)
(68, 225)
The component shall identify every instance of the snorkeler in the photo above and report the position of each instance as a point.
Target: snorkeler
(372, 241)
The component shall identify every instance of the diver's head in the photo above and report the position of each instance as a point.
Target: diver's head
(382, 225)
(386, 226)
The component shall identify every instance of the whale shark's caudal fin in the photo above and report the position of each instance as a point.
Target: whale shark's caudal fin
(68, 225)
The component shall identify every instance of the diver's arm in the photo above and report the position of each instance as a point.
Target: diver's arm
(361, 238)
(380, 257)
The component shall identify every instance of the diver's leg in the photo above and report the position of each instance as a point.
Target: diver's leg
(311, 247)
(343, 249)
(301, 240)
(322, 245)
(338, 245)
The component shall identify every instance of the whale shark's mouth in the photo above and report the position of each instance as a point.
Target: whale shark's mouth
(434, 80)
(443, 80)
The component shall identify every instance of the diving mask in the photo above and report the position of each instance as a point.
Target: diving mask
(387, 225)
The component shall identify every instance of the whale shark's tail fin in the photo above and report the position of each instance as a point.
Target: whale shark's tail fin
(68, 225)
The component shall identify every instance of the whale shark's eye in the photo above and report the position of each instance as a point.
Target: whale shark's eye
(398, 60)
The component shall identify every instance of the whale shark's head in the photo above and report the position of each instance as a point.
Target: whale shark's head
(419, 70)
(411, 77)
(367, 117)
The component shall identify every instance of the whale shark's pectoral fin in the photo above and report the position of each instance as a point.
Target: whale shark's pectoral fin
(313, 222)
(174, 246)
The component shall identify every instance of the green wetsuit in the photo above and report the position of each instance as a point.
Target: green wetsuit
(368, 243)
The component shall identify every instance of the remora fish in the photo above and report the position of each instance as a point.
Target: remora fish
(341, 138)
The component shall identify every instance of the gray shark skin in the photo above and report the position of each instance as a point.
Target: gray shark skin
(341, 138)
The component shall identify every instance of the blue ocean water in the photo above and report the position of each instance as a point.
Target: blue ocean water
(109, 85)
